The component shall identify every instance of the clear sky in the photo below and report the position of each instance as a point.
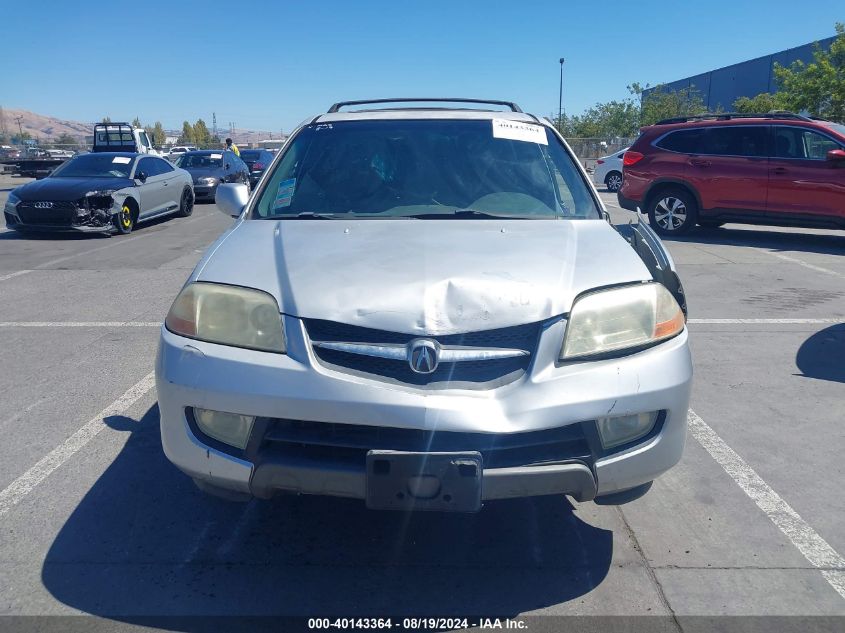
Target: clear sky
(268, 65)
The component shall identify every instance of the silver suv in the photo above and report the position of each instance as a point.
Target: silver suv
(425, 307)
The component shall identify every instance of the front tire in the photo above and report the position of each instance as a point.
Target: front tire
(613, 181)
(672, 212)
(124, 220)
(186, 204)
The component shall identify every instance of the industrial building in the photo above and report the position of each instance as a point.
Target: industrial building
(721, 87)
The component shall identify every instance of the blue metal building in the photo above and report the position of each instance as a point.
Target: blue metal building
(746, 79)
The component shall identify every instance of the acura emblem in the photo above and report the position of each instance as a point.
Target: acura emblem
(43, 205)
(422, 355)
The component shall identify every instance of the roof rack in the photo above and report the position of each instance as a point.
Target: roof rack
(341, 104)
(724, 116)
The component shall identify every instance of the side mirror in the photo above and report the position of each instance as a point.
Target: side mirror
(836, 155)
(231, 198)
(142, 176)
(228, 166)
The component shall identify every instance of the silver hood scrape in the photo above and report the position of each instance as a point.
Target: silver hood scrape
(432, 277)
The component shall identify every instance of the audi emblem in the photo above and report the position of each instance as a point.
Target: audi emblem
(43, 205)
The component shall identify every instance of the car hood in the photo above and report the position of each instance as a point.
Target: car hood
(431, 277)
(68, 188)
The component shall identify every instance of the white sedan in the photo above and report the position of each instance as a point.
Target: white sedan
(608, 171)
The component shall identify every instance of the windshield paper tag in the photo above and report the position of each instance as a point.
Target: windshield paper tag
(121, 160)
(284, 194)
(519, 131)
(217, 156)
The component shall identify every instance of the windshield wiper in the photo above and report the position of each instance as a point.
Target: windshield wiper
(475, 213)
(304, 215)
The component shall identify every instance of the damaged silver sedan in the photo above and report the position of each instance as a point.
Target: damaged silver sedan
(426, 308)
(101, 192)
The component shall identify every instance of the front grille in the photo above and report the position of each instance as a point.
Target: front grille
(62, 212)
(499, 450)
(472, 375)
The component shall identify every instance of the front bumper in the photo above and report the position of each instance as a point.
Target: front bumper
(14, 223)
(550, 398)
(204, 192)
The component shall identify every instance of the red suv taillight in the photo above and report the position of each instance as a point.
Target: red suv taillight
(599, 162)
(257, 166)
(631, 158)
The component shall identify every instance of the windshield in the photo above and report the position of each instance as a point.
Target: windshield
(250, 154)
(426, 168)
(200, 161)
(837, 127)
(95, 166)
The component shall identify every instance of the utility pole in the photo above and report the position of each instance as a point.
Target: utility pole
(560, 100)
(19, 119)
(214, 123)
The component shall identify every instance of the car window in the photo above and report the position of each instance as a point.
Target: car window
(745, 140)
(95, 166)
(794, 142)
(400, 168)
(200, 161)
(148, 166)
(683, 141)
(163, 166)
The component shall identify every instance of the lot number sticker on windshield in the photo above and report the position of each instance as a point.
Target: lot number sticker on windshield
(122, 160)
(217, 156)
(519, 131)
(284, 194)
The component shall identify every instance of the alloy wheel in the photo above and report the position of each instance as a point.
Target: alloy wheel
(670, 213)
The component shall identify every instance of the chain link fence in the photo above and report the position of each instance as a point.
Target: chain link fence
(589, 149)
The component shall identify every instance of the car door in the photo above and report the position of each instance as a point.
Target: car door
(152, 191)
(731, 169)
(802, 182)
(172, 189)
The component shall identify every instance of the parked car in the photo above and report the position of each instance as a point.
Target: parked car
(409, 311)
(178, 150)
(779, 168)
(209, 168)
(608, 171)
(101, 192)
(121, 137)
(257, 160)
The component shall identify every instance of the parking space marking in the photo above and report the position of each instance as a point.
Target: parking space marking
(800, 262)
(814, 548)
(27, 482)
(80, 324)
(763, 321)
(14, 274)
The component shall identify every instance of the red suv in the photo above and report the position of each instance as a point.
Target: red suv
(778, 168)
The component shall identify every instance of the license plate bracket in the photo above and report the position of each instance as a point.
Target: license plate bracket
(445, 482)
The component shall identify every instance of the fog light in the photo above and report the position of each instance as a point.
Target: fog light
(229, 428)
(625, 428)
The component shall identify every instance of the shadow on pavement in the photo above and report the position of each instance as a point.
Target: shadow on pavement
(821, 355)
(145, 542)
(759, 237)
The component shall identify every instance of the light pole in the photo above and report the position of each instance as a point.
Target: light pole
(560, 100)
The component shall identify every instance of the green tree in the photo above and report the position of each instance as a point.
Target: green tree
(202, 136)
(817, 87)
(158, 135)
(106, 119)
(763, 102)
(136, 122)
(608, 120)
(187, 136)
(662, 103)
(66, 141)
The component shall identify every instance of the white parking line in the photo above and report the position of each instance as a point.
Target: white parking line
(814, 548)
(17, 273)
(763, 321)
(800, 262)
(27, 482)
(117, 324)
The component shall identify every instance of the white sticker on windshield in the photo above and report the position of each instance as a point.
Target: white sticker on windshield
(519, 131)
(122, 160)
(285, 194)
(217, 156)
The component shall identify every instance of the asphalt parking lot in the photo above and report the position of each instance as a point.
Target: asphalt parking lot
(94, 520)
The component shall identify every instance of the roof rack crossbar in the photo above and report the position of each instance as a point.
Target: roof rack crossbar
(341, 104)
(774, 114)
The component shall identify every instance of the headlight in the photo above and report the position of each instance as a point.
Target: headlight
(11, 204)
(228, 315)
(207, 181)
(622, 318)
